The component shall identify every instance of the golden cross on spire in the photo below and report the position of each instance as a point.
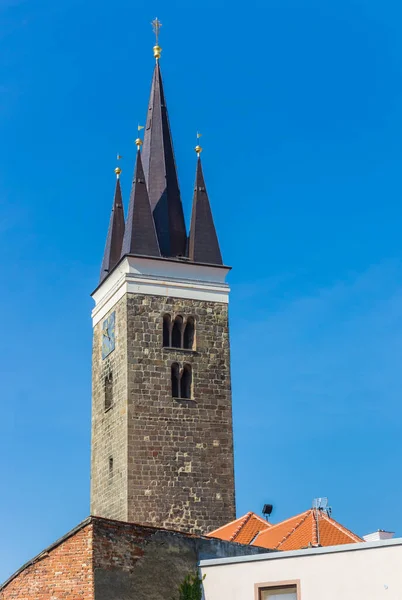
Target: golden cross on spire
(156, 25)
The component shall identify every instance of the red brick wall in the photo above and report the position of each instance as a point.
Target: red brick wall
(65, 572)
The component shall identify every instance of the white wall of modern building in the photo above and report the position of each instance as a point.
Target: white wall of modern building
(366, 571)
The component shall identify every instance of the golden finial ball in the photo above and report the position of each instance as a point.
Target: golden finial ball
(198, 149)
(157, 51)
(117, 171)
(138, 143)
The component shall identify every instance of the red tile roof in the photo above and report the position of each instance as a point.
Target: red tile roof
(242, 530)
(310, 528)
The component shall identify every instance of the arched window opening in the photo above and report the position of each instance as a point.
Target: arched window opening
(166, 330)
(189, 334)
(177, 332)
(108, 391)
(186, 382)
(175, 375)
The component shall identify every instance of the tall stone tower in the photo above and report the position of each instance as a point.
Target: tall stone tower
(162, 443)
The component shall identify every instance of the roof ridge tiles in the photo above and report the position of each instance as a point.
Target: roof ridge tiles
(343, 529)
(301, 516)
(227, 525)
(262, 520)
(244, 521)
(315, 526)
(294, 529)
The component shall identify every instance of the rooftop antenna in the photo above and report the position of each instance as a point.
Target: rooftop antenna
(320, 505)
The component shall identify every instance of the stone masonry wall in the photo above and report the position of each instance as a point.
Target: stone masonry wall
(62, 572)
(172, 459)
(180, 453)
(109, 427)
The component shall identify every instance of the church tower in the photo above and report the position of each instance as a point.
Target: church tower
(162, 442)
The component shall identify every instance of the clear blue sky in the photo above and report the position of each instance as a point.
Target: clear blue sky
(300, 106)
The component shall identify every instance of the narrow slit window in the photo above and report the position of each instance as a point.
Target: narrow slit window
(186, 380)
(108, 391)
(167, 321)
(175, 376)
(188, 337)
(177, 332)
(110, 466)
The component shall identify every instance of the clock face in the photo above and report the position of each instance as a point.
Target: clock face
(108, 335)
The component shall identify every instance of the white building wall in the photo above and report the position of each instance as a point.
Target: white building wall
(160, 277)
(371, 571)
(378, 535)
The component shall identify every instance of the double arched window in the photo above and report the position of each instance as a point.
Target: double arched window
(182, 379)
(178, 333)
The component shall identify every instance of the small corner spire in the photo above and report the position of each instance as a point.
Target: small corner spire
(156, 25)
(115, 234)
(203, 245)
(139, 235)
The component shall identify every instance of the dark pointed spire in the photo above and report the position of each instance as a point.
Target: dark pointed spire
(114, 240)
(140, 235)
(203, 245)
(161, 175)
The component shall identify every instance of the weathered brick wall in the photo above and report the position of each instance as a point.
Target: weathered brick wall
(109, 428)
(64, 572)
(173, 460)
(180, 453)
(139, 563)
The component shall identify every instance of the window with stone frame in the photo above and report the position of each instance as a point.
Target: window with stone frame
(179, 333)
(182, 379)
(175, 377)
(185, 382)
(108, 391)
